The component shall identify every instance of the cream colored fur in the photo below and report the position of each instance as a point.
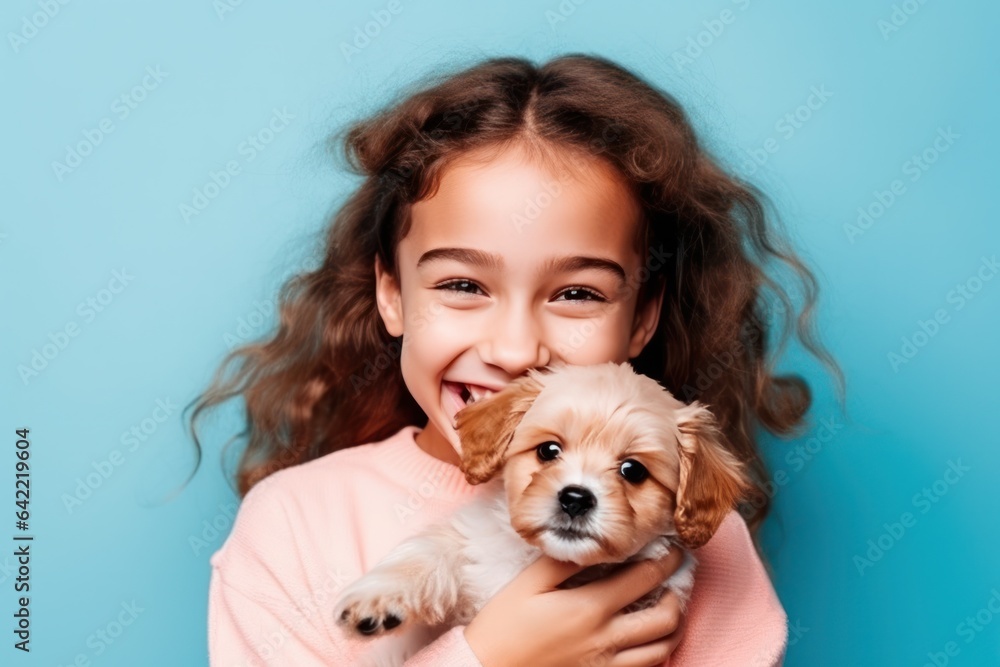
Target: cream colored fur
(600, 416)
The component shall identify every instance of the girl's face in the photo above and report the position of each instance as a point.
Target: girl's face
(511, 266)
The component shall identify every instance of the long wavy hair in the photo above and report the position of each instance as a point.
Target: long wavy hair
(329, 377)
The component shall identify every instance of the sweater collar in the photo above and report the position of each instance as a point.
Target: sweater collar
(434, 477)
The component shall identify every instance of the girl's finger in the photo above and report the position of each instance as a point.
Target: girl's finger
(544, 574)
(631, 583)
(647, 625)
(651, 654)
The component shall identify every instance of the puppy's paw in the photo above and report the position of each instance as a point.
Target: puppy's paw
(682, 581)
(371, 614)
(657, 548)
(660, 547)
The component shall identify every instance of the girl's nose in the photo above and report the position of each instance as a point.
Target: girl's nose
(513, 342)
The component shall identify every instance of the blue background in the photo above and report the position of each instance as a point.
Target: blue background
(195, 285)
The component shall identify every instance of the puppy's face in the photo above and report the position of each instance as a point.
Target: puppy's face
(599, 460)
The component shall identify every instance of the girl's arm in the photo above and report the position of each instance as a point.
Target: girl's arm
(279, 574)
(248, 632)
(735, 618)
(271, 595)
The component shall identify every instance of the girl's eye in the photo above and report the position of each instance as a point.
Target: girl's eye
(548, 451)
(459, 285)
(587, 294)
(469, 287)
(633, 471)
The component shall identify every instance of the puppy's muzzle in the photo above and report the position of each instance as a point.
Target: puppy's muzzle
(576, 500)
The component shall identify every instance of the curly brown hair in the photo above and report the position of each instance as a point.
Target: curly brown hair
(308, 388)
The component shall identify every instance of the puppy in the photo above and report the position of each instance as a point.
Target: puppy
(600, 466)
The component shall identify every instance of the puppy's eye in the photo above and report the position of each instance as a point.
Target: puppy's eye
(548, 450)
(633, 471)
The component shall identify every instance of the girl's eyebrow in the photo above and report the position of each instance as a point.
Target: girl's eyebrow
(492, 262)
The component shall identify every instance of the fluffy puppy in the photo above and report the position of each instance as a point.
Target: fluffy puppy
(600, 466)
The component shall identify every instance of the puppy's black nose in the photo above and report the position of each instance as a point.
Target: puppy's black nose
(576, 500)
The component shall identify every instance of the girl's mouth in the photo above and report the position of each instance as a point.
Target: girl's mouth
(462, 395)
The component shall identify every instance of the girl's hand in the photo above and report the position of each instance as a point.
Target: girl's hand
(531, 622)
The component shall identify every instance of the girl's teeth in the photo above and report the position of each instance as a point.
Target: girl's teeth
(477, 394)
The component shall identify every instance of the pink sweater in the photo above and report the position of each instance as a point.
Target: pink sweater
(305, 532)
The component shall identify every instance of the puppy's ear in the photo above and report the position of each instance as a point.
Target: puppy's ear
(712, 480)
(486, 427)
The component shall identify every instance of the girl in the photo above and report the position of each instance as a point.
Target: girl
(511, 216)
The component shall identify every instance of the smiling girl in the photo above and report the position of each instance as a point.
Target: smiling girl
(511, 216)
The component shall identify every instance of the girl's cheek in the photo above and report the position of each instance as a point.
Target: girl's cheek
(583, 340)
(590, 341)
(428, 315)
